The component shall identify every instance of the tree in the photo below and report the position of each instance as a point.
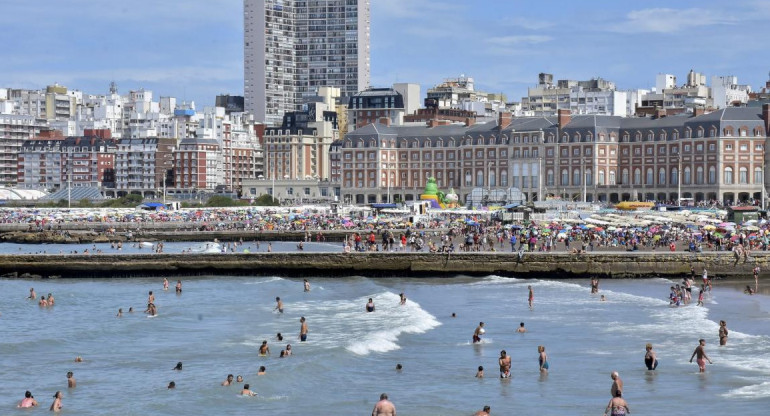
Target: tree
(266, 200)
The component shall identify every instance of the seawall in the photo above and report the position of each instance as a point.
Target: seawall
(535, 265)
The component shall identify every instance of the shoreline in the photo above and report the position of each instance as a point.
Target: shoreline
(604, 265)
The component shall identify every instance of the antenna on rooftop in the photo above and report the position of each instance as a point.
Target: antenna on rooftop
(113, 88)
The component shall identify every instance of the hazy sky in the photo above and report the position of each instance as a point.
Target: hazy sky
(193, 49)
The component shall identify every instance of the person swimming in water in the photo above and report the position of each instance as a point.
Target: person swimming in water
(521, 328)
(178, 286)
(278, 305)
(247, 392)
(56, 405)
(370, 306)
(178, 366)
(264, 350)
(228, 381)
(28, 400)
(302, 329)
(505, 364)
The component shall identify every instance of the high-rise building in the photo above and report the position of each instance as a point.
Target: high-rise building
(293, 47)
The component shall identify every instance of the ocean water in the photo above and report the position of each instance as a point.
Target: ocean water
(217, 324)
(193, 247)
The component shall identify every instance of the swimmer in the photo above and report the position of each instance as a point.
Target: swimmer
(42, 302)
(454, 315)
(56, 405)
(700, 351)
(247, 392)
(403, 298)
(282, 354)
(480, 372)
(228, 381)
(262, 370)
(279, 305)
(178, 366)
(78, 359)
(505, 364)
(239, 379)
(120, 312)
(178, 286)
(370, 306)
(594, 285)
(399, 367)
(28, 400)
(384, 407)
(478, 332)
(531, 297)
(650, 358)
(279, 337)
(264, 350)
(521, 328)
(50, 300)
(288, 350)
(617, 405)
(150, 298)
(302, 329)
(748, 290)
(307, 286)
(130, 309)
(483, 412)
(269, 247)
(152, 310)
(723, 333)
(603, 299)
(171, 385)
(165, 284)
(32, 294)
(71, 383)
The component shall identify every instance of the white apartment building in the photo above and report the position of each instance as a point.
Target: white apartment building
(595, 96)
(726, 92)
(293, 47)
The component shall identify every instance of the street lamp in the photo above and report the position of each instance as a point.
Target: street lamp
(679, 181)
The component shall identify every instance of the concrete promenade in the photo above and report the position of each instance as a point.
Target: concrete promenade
(378, 264)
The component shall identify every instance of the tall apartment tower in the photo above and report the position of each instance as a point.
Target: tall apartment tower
(293, 47)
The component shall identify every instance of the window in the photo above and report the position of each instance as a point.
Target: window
(712, 175)
(743, 175)
(612, 177)
(674, 176)
(686, 148)
(661, 176)
(564, 177)
(728, 175)
(637, 176)
(624, 177)
(589, 177)
(686, 176)
(699, 175)
(712, 147)
(758, 147)
(699, 147)
(744, 147)
(564, 152)
(587, 151)
(650, 178)
(601, 177)
(576, 177)
(650, 150)
(758, 175)
(549, 152)
(576, 151)
(549, 178)
(728, 147)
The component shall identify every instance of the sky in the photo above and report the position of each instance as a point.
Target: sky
(193, 49)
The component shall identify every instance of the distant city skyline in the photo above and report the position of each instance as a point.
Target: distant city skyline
(194, 50)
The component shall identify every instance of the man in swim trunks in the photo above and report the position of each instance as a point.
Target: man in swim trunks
(505, 364)
(278, 305)
(478, 332)
(32, 294)
(521, 328)
(302, 329)
(307, 286)
(484, 412)
(228, 381)
(384, 407)
(71, 383)
(701, 353)
(264, 349)
(247, 392)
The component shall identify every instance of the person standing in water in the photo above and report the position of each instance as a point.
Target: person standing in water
(723, 333)
(278, 305)
(32, 294)
(165, 284)
(505, 364)
(56, 405)
(384, 407)
(700, 352)
(521, 328)
(71, 383)
(543, 359)
(531, 297)
(478, 332)
(403, 298)
(617, 384)
(306, 285)
(483, 412)
(302, 329)
(650, 358)
(370, 306)
(178, 286)
(264, 350)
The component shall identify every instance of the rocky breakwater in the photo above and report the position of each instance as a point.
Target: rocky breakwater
(377, 264)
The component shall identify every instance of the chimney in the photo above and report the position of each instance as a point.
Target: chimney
(384, 121)
(564, 117)
(766, 118)
(659, 112)
(698, 111)
(469, 121)
(432, 123)
(504, 119)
